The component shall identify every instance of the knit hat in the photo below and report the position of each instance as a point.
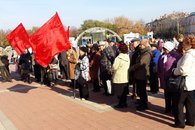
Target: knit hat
(168, 45)
(123, 48)
(83, 48)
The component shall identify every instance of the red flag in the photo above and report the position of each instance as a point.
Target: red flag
(50, 40)
(19, 39)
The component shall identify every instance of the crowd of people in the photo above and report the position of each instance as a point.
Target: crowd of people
(117, 66)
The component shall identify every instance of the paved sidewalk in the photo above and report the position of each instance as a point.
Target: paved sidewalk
(34, 107)
(5, 123)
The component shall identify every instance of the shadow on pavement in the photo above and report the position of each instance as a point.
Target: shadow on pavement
(96, 97)
(21, 88)
(154, 112)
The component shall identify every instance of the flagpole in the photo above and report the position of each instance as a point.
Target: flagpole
(74, 85)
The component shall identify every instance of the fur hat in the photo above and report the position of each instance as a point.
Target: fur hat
(168, 45)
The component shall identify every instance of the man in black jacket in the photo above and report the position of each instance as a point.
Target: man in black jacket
(106, 61)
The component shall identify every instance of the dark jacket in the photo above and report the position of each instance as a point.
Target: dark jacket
(135, 55)
(95, 65)
(106, 61)
(25, 61)
(62, 57)
(141, 68)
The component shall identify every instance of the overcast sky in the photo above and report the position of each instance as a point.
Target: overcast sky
(74, 12)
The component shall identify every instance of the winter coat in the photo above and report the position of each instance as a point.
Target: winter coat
(107, 59)
(62, 57)
(185, 67)
(72, 61)
(141, 68)
(134, 56)
(154, 61)
(121, 69)
(82, 68)
(95, 65)
(3, 58)
(25, 62)
(165, 69)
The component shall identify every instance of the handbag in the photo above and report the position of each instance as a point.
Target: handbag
(81, 80)
(176, 83)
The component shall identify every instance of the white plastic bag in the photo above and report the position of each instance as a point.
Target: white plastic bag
(109, 86)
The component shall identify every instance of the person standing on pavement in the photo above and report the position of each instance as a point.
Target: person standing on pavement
(72, 61)
(63, 65)
(133, 56)
(94, 67)
(154, 84)
(3, 70)
(25, 63)
(54, 68)
(120, 77)
(185, 67)
(5, 61)
(141, 69)
(106, 61)
(166, 63)
(82, 69)
(37, 69)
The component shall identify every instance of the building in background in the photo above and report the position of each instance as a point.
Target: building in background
(189, 24)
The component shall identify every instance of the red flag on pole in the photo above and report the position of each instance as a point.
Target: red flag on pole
(49, 40)
(19, 39)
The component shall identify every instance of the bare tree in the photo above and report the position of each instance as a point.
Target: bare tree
(123, 25)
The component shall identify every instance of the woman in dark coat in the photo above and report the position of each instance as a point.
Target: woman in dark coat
(94, 67)
(166, 63)
(25, 63)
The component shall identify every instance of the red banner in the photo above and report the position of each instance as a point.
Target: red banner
(49, 40)
(19, 39)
